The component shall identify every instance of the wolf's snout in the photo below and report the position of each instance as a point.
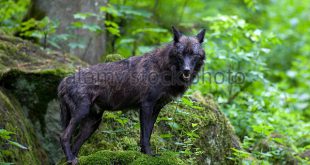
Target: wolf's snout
(186, 74)
(186, 71)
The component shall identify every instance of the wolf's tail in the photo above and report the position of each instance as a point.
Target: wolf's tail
(65, 114)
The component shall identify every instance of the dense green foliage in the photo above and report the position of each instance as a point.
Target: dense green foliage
(12, 13)
(257, 65)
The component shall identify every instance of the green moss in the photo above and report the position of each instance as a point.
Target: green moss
(112, 58)
(128, 158)
(200, 132)
(31, 75)
(13, 119)
(109, 157)
(163, 159)
(25, 56)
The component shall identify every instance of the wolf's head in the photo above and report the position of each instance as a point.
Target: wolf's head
(187, 53)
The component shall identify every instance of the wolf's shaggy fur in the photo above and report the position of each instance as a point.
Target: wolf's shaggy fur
(147, 82)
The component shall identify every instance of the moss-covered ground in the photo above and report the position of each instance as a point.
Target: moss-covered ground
(200, 133)
(105, 157)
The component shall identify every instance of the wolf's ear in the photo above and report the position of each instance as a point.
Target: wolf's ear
(201, 35)
(176, 34)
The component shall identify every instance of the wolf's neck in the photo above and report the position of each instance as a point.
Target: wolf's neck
(162, 57)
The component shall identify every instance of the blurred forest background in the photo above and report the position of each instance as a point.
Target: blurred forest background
(266, 40)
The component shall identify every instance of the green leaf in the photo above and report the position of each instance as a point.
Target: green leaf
(166, 136)
(149, 30)
(92, 27)
(111, 23)
(174, 125)
(110, 10)
(194, 124)
(83, 16)
(18, 145)
(129, 11)
(77, 24)
(114, 31)
(126, 40)
(4, 134)
(186, 101)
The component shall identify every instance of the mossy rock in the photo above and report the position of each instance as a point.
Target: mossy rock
(195, 129)
(12, 118)
(29, 77)
(129, 158)
(24, 56)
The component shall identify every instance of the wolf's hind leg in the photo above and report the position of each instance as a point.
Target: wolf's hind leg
(88, 126)
(81, 111)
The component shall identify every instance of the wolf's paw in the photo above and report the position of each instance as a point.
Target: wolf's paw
(74, 161)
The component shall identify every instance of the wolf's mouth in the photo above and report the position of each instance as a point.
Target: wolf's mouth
(186, 76)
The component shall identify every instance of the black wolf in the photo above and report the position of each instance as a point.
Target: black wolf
(145, 82)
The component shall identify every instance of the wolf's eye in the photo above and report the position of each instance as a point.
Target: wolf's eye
(196, 58)
(179, 57)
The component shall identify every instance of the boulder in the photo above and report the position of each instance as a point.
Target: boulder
(28, 80)
(197, 130)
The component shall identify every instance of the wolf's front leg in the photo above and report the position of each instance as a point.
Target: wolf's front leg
(146, 126)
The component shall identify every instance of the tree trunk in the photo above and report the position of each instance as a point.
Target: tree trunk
(63, 11)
